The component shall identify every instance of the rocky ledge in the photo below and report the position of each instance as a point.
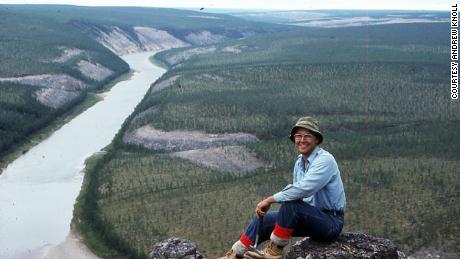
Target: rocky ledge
(175, 248)
(347, 246)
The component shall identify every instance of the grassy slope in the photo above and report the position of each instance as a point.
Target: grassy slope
(397, 151)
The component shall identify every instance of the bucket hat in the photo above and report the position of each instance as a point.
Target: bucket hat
(310, 124)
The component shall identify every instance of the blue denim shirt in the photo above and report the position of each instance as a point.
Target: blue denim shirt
(319, 184)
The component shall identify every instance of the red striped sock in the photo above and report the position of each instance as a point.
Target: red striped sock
(245, 240)
(282, 233)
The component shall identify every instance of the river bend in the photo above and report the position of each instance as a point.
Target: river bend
(38, 190)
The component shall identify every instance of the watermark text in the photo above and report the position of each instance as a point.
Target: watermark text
(454, 52)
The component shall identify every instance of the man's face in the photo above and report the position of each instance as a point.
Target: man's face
(305, 141)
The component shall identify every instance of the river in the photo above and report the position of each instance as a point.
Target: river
(38, 190)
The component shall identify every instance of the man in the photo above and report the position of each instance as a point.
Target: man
(313, 205)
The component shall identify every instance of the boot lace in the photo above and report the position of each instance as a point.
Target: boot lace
(229, 253)
(273, 249)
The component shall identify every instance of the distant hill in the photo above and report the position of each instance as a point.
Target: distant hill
(344, 18)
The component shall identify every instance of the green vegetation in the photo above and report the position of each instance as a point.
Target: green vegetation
(382, 98)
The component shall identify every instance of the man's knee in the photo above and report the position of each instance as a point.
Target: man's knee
(289, 208)
(293, 205)
(298, 207)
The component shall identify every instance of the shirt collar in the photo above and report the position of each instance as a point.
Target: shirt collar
(313, 154)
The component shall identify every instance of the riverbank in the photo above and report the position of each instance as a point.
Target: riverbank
(39, 188)
(91, 99)
(84, 209)
(71, 248)
(84, 218)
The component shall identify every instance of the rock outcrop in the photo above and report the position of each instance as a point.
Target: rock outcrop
(216, 151)
(175, 248)
(348, 245)
(181, 56)
(55, 98)
(67, 54)
(232, 49)
(203, 38)
(140, 39)
(163, 84)
(431, 253)
(56, 89)
(57, 81)
(177, 140)
(230, 159)
(94, 71)
(152, 39)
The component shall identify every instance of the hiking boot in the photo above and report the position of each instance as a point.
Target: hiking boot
(271, 251)
(231, 255)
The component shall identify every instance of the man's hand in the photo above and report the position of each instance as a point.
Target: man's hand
(264, 206)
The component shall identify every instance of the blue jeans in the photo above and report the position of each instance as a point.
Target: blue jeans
(302, 218)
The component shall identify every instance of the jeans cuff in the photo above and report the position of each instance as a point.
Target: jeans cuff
(278, 241)
(239, 248)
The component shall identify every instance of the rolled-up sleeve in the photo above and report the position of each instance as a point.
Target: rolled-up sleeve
(318, 175)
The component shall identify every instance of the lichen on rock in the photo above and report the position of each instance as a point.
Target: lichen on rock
(175, 248)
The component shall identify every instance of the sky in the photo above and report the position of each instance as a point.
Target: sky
(259, 4)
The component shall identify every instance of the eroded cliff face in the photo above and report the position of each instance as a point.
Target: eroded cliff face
(139, 39)
(94, 71)
(204, 38)
(153, 39)
(57, 81)
(177, 58)
(56, 90)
